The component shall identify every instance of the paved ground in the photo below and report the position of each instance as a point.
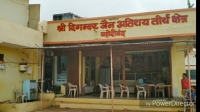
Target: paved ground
(57, 109)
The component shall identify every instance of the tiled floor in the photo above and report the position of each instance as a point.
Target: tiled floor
(131, 97)
(57, 109)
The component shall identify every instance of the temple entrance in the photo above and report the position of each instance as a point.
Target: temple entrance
(143, 67)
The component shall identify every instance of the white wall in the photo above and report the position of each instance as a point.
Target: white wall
(192, 59)
(34, 16)
(15, 11)
(19, 35)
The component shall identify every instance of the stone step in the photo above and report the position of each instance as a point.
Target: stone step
(120, 107)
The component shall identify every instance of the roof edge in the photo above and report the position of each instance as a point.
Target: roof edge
(119, 39)
(125, 15)
(110, 44)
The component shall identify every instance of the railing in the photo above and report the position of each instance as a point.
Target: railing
(150, 76)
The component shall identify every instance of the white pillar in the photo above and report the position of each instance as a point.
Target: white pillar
(188, 59)
(42, 80)
(111, 75)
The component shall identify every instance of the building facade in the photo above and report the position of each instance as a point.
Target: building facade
(139, 46)
(155, 63)
(18, 30)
